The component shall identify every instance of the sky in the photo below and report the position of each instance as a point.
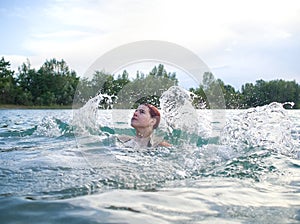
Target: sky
(240, 41)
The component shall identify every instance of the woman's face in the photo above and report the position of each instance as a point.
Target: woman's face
(142, 118)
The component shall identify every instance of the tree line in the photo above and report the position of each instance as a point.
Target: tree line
(251, 95)
(54, 83)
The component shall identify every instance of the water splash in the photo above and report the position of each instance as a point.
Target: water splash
(180, 120)
(49, 127)
(234, 155)
(268, 127)
(180, 116)
(87, 119)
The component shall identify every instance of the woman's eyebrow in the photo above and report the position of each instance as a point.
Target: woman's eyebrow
(140, 110)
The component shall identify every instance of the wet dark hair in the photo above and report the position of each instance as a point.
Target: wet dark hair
(154, 113)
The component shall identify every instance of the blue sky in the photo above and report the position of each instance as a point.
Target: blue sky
(240, 41)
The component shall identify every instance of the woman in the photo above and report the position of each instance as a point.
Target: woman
(145, 119)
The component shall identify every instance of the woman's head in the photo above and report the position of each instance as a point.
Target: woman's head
(154, 114)
(145, 115)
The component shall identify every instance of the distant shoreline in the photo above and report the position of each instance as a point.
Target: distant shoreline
(67, 107)
(12, 106)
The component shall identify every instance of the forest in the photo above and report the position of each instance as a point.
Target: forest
(55, 84)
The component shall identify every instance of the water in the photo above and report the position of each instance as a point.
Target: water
(241, 166)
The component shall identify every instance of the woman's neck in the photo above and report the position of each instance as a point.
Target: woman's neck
(143, 133)
(143, 137)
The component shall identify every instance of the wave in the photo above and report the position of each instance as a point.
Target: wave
(244, 149)
(54, 127)
(48, 127)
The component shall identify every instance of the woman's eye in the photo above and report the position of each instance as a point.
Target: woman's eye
(142, 111)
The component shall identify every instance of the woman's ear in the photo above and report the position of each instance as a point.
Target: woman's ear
(153, 121)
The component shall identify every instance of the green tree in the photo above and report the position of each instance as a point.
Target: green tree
(264, 92)
(55, 83)
(52, 84)
(101, 83)
(199, 100)
(24, 82)
(160, 71)
(231, 96)
(58, 82)
(7, 83)
(123, 92)
(146, 88)
(210, 92)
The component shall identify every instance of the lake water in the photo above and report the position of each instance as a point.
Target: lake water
(248, 171)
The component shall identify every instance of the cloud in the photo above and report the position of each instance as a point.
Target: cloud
(243, 37)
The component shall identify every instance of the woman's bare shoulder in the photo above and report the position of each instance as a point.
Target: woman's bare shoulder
(164, 144)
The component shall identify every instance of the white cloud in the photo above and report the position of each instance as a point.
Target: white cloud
(61, 34)
(15, 61)
(228, 33)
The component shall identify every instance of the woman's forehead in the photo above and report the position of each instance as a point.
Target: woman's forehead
(144, 107)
